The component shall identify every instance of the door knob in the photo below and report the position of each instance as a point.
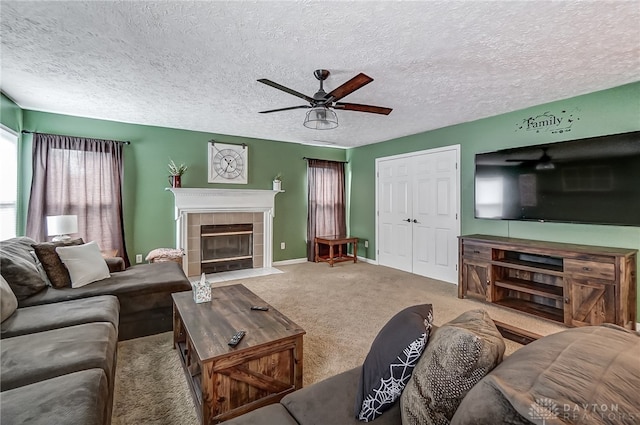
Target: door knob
(415, 221)
(408, 220)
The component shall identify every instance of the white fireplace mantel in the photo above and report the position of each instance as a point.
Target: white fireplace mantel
(193, 200)
(206, 200)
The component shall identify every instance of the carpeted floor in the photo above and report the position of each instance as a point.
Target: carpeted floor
(341, 308)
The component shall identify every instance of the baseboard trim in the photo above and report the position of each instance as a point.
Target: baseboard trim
(304, 260)
(367, 260)
(287, 262)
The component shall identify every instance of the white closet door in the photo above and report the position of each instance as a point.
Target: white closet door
(435, 215)
(422, 188)
(394, 214)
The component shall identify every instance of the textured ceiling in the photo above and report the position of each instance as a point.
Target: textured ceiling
(194, 65)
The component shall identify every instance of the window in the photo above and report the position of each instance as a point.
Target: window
(9, 186)
(489, 197)
(326, 213)
(82, 177)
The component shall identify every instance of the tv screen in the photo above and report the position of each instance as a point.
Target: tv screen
(595, 180)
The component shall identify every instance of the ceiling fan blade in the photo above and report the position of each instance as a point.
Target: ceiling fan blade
(286, 89)
(286, 109)
(350, 86)
(363, 108)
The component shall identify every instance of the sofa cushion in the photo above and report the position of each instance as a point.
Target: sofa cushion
(331, 402)
(583, 375)
(28, 320)
(32, 358)
(84, 263)
(18, 267)
(8, 300)
(51, 263)
(391, 359)
(139, 288)
(76, 398)
(458, 355)
(269, 415)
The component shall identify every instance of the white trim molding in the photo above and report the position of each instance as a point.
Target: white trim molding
(206, 200)
(292, 261)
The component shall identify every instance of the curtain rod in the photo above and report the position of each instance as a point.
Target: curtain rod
(320, 159)
(126, 142)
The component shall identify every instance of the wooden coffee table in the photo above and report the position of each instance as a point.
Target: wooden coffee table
(226, 382)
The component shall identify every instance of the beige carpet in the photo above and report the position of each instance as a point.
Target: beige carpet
(341, 308)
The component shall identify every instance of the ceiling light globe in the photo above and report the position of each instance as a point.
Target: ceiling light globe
(321, 118)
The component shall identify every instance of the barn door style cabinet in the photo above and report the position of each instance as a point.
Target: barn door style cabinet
(577, 285)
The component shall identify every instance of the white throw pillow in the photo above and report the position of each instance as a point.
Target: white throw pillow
(8, 300)
(84, 262)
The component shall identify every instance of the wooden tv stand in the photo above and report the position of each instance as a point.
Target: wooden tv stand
(577, 285)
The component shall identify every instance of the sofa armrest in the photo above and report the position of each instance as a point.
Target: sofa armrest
(115, 264)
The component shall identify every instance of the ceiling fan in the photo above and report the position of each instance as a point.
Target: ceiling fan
(542, 163)
(321, 101)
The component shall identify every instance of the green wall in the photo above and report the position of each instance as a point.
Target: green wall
(10, 113)
(616, 110)
(148, 208)
(149, 211)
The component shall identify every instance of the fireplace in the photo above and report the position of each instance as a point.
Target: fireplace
(226, 247)
(196, 207)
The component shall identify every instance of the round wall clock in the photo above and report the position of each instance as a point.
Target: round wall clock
(228, 163)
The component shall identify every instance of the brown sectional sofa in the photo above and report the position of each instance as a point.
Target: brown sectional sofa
(144, 293)
(588, 375)
(59, 347)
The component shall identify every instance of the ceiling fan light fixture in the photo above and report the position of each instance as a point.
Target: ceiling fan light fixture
(545, 166)
(321, 118)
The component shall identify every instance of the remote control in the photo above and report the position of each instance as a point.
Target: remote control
(236, 338)
(259, 308)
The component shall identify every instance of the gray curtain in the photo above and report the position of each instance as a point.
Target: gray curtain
(326, 209)
(83, 177)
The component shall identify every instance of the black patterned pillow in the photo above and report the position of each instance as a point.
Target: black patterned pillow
(391, 359)
(459, 354)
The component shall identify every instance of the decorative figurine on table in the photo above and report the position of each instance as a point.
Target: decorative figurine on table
(201, 290)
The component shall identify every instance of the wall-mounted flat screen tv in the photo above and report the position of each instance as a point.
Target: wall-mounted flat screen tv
(594, 180)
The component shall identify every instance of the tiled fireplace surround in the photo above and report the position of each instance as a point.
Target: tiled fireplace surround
(195, 220)
(195, 207)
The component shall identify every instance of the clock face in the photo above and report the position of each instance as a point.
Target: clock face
(228, 163)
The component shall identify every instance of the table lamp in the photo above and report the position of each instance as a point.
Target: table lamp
(60, 226)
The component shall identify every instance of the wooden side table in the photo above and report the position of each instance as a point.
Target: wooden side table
(332, 241)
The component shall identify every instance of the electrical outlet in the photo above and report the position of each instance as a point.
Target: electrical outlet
(139, 258)
(282, 245)
(366, 244)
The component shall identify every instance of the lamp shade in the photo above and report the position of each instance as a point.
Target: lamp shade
(321, 118)
(62, 224)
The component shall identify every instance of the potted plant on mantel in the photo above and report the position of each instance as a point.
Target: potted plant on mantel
(175, 173)
(277, 182)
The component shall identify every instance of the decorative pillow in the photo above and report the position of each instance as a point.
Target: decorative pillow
(391, 359)
(84, 262)
(40, 267)
(8, 300)
(53, 267)
(460, 353)
(18, 267)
